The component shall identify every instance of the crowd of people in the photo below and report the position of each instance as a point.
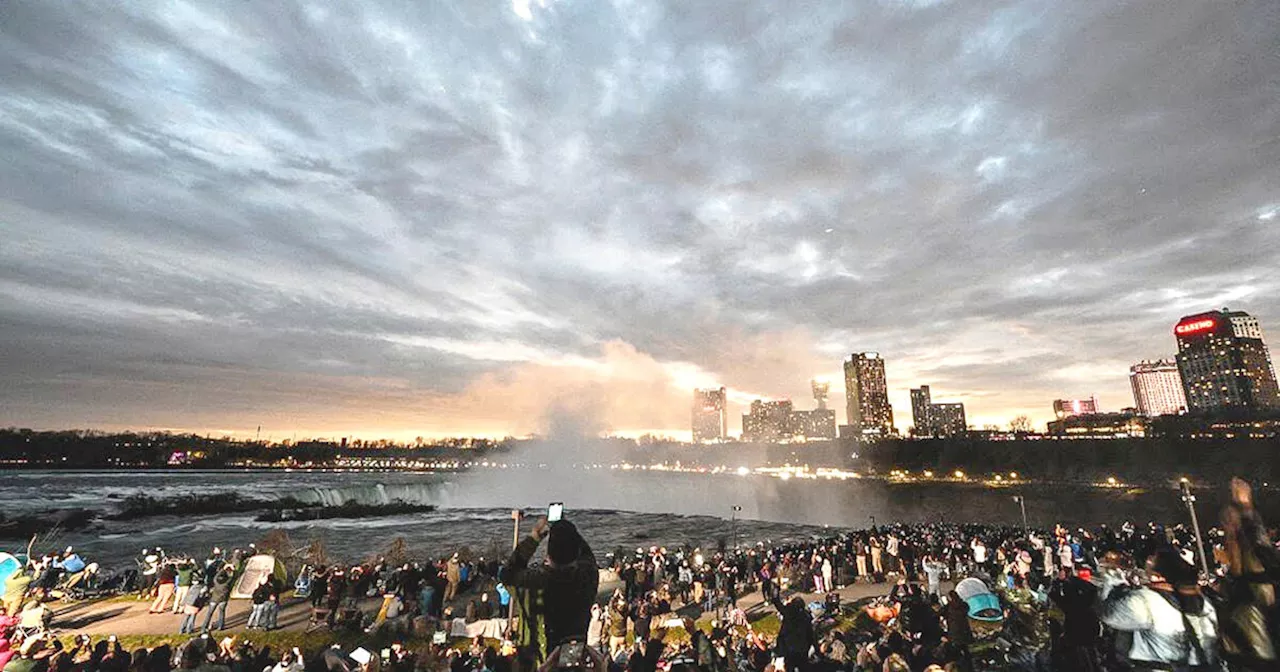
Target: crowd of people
(1122, 598)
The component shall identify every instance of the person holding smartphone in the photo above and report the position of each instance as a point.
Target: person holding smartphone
(569, 579)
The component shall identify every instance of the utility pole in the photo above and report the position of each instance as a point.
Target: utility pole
(1190, 500)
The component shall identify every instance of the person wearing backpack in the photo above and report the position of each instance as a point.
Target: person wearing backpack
(219, 595)
(1173, 626)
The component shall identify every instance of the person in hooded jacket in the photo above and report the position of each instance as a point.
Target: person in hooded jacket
(1076, 597)
(1174, 627)
(569, 580)
(219, 596)
(796, 636)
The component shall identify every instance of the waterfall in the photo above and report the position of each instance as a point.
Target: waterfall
(374, 495)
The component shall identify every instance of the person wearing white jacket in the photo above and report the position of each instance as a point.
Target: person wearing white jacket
(1174, 627)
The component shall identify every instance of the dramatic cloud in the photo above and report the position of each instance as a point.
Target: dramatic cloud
(435, 218)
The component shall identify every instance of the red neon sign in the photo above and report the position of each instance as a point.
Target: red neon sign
(1194, 327)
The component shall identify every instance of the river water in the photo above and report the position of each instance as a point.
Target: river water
(614, 509)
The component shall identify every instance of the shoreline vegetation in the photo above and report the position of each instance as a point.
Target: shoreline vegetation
(1208, 449)
(141, 507)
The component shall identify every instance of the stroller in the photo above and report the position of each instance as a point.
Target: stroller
(344, 617)
(302, 587)
(319, 618)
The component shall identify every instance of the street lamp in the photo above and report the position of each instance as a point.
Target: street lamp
(733, 526)
(1022, 504)
(1190, 500)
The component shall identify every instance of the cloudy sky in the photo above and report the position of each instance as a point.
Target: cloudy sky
(424, 218)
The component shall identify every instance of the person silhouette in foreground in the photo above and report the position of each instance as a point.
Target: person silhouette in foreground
(795, 637)
(569, 579)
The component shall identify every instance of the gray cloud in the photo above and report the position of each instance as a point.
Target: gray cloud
(461, 217)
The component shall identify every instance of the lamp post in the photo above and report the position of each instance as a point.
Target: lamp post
(516, 515)
(733, 526)
(1022, 504)
(1190, 500)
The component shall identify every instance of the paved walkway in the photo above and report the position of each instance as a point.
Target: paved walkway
(128, 616)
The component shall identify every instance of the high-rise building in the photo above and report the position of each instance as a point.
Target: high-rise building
(920, 400)
(1065, 408)
(867, 394)
(1157, 387)
(1224, 362)
(947, 419)
(933, 419)
(710, 419)
(820, 423)
(768, 421)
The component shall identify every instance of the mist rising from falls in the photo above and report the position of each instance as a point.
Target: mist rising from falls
(573, 465)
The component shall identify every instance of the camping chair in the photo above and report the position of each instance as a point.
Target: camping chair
(34, 620)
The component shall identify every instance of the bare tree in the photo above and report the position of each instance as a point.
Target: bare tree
(276, 542)
(315, 553)
(398, 552)
(1020, 425)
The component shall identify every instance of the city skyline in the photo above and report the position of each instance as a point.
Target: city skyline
(505, 218)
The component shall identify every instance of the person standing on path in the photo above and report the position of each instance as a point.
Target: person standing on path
(766, 581)
(933, 574)
(261, 600)
(893, 547)
(453, 576)
(182, 584)
(219, 595)
(193, 601)
(164, 587)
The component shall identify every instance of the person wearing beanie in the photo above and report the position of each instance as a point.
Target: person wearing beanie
(569, 579)
(1174, 627)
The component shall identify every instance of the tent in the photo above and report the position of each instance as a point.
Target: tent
(9, 566)
(983, 604)
(254, 569)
